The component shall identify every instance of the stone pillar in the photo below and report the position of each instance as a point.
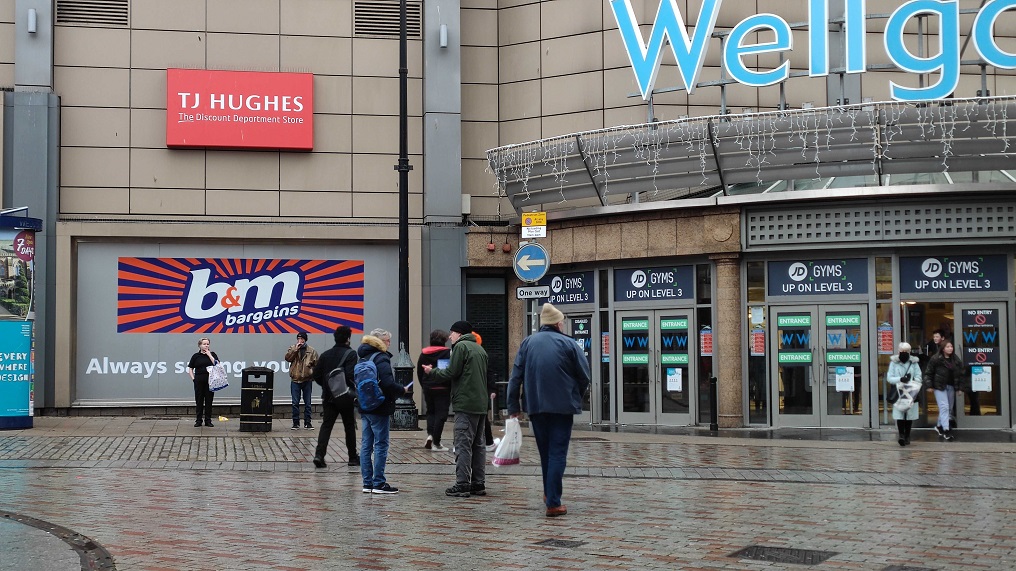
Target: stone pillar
(727, 341)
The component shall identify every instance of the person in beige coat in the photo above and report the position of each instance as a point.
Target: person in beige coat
(301, 358)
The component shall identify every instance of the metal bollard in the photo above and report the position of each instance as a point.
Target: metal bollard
(714, 406)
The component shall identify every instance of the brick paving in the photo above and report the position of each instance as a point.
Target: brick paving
(160, 495)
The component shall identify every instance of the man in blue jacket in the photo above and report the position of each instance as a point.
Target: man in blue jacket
(376, 422)
(554, 373)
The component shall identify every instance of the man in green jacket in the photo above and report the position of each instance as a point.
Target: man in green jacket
(467, 373)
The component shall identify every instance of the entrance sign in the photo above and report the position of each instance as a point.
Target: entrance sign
(674, 341)
(532, 292)
(239, 109)
(635, 341)
(582, 332)
(648, 284)
(564, 289)
(953, 274)
(670, 28)
(818, 277)
(531, 262)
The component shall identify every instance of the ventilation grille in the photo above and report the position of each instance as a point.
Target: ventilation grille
(382, 19)
(93, 12)
(834, 225)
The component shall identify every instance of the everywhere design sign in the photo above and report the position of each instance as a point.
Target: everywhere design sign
(239, 109)
(670, 28)
(215, 295)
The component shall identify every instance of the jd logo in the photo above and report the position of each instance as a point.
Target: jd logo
(797, 271)
(246, 300)
(932, 268)
(639, 279)
(556, 284)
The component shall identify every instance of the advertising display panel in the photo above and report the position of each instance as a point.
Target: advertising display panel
(239, 109)
(953, 274)
(17, 342)
(141, 309)
(654, 284)
(818, 277)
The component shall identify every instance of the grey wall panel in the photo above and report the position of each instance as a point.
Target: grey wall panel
(155, 362)
(33, 52)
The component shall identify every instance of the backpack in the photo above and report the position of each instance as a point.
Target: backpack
(368, 390)
(336, 383)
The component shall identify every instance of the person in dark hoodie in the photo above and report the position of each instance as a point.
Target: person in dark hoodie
(436, 393)
(376, 423)
(341, 355)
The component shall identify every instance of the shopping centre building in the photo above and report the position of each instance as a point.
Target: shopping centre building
(773, 194)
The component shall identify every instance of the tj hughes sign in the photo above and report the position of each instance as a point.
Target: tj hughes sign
(239, 109)
(690, 50)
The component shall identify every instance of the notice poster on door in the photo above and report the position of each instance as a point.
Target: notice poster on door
(675, 380)
(706, 342)
(980, 379)
(885, 339)
(845, 379)
(757, 341)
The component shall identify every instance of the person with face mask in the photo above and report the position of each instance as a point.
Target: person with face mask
(904, 375)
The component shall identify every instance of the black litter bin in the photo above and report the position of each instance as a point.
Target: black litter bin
(256, 390)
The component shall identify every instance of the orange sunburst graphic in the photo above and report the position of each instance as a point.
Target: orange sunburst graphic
(230, 295)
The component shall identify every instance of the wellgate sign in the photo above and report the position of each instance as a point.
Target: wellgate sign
(671, 28)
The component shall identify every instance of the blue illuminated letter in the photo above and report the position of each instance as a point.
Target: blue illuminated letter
(947, 61)
(984, 36)
(818, 29)
(689, 52)
(735, 49)
(857, 50)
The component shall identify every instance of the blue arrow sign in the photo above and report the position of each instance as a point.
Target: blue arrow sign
(531, 262)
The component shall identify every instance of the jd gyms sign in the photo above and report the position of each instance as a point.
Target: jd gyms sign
(690, 51)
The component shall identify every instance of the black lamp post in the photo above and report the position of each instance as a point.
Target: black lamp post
(405, 417)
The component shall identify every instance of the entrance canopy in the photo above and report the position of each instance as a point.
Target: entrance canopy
(872, 144)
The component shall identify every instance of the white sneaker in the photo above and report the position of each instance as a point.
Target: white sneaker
(367, 490)
(438, 448)
(429, 443)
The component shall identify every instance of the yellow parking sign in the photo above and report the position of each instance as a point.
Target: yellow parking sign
(534, 219)
(534, 225)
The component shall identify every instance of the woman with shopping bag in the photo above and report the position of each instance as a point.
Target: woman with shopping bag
(197, 368)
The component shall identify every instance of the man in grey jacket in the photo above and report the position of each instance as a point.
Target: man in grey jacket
(555, 374)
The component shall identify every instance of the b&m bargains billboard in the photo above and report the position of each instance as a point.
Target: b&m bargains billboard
(239, 109)
(142, 307)
(214, 295)
(670, 29)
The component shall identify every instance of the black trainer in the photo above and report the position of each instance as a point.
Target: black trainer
(385, 489)
(197, 423)
(459, 491)
(354, 461)
(478, 489)
(939, 430)
(319, 462)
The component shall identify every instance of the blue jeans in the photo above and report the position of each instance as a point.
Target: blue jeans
(305, 389)
(553, 434)
(374, 449)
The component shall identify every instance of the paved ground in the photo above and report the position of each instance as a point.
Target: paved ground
(162, 495)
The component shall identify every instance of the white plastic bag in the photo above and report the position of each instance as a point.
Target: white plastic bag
(507, 451)
(217, 377)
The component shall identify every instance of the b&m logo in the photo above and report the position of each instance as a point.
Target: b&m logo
(212, 295)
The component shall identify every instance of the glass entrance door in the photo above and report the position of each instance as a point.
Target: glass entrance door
(982, 344)
(656, 367)
(819, 370)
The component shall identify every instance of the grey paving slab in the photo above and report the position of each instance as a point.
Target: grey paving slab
(24, 547)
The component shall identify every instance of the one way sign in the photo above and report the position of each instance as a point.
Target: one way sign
(531, 262)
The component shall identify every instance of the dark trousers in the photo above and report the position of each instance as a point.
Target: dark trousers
(331, 411)
(437, 412)
(203, 399)
(553, 434)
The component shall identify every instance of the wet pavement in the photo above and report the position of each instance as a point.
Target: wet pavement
(158, 494)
